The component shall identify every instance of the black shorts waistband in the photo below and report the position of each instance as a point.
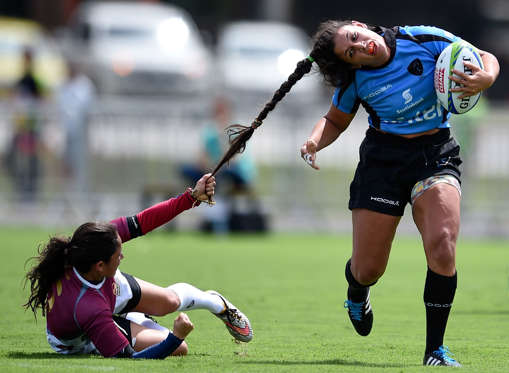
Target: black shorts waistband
(387, 138)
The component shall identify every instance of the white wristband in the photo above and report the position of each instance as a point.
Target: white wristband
(307, 158)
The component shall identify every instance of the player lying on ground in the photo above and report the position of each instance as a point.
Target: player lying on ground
(92, 307)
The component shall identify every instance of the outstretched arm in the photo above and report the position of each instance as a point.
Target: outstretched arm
(147, 220)
(324, 133)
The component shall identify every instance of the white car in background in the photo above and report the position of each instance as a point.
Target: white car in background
(258, 56)
(140, 48)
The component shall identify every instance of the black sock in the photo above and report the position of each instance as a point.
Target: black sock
(438, 296)
(356, 292)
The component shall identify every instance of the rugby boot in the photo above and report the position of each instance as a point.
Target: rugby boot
(361, 315)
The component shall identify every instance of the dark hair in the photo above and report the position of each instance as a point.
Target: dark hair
(90, 243)
(335, 72)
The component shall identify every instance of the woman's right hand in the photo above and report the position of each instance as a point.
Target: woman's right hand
(204, 189)
(308, 153)
(182, 326)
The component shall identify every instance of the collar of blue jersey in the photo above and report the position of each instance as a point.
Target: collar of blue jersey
(389, 35)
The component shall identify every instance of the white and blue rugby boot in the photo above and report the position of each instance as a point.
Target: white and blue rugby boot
(440, 357)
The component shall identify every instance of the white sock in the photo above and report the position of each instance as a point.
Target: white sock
(192, 298)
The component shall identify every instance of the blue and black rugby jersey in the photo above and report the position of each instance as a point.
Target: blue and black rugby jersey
(399, 96)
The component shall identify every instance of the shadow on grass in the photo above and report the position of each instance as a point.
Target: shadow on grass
(43, 355)
(481, 312)
(326, 362)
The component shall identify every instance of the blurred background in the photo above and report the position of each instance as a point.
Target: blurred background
(107, 107)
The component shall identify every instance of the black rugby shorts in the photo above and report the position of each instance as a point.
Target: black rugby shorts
(124, 325)
(390, 166)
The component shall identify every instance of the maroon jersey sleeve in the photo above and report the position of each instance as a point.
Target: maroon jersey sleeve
(153, 217)
(103, 332)
(163, 212)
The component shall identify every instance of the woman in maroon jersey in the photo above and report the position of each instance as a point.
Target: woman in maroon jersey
(92, 307)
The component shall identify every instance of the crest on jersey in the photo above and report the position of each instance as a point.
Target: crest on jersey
(116, 289)
(415, 67)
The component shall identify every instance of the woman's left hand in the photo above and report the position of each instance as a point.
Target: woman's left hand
(471, 85)
(308, 153)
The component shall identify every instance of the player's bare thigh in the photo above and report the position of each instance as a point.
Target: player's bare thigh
(156, 300)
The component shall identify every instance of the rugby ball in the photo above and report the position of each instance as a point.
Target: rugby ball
(452, 57)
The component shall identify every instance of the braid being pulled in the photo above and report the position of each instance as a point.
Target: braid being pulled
(239, 134)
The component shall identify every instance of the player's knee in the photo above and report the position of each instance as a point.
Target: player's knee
(167, 303)
(368, 275)
(442, 258)
(172, 301)
(441, 252)
(442, 246)
(181, 350)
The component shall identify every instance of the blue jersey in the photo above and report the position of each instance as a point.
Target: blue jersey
(399, 96)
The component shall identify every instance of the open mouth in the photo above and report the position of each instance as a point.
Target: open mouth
(371, 48)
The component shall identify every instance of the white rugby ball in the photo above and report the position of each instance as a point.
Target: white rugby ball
(452, 57)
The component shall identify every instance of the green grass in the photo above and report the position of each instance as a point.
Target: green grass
(292, 288)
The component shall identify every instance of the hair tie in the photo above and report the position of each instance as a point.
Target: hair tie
(311, 59)
(256, 123)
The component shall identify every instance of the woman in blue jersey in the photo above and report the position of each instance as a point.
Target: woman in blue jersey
(407, 156)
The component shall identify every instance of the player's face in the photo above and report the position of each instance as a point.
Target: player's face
(359, 46)
(112, 264)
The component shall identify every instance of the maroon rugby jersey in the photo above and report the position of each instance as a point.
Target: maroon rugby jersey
(78, 308)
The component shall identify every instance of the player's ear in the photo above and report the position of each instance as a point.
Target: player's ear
(360, 24)
(99, 267)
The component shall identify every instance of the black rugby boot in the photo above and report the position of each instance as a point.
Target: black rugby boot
(360, 313)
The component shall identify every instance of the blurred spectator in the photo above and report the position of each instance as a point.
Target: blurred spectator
(23, 154)
(236, 179)
(75, 99)
(240, 172)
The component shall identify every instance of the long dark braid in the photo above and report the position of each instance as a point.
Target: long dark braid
(90, 243)
(239, 134)
(334, 71)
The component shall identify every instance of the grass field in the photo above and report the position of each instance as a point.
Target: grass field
(292, 288)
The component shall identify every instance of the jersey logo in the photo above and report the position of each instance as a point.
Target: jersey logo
(385, 200)
(407, 96)
(415, 67)
(377, 91)
(116, 289)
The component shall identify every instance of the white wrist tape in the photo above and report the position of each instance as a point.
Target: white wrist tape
(307, 158)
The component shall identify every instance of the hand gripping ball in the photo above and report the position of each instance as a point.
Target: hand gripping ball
(452, 57)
